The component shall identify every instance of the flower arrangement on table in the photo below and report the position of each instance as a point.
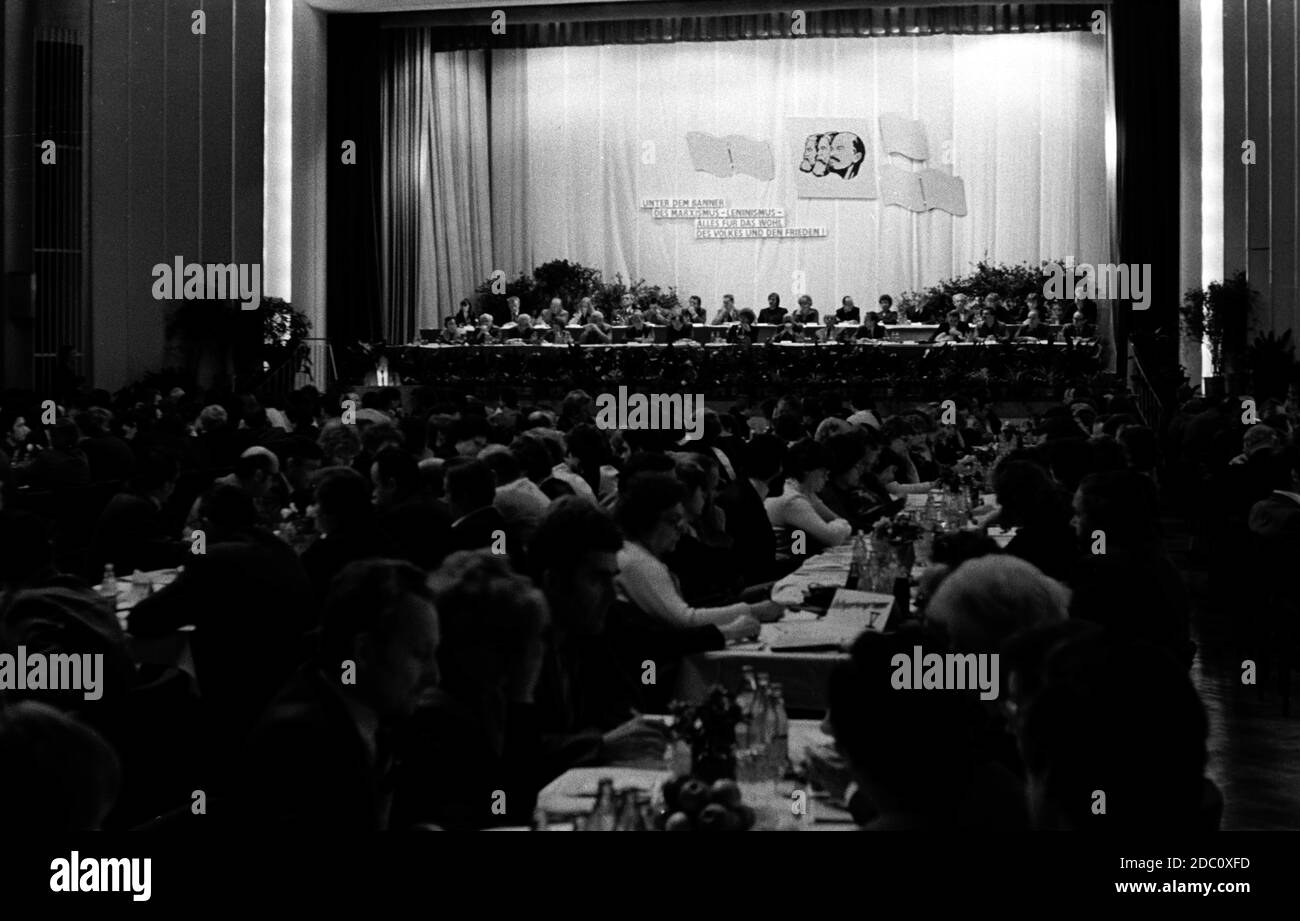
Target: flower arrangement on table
(710, 730)
(899, 534)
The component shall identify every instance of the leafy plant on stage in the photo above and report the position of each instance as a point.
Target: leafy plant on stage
(609, 299)
(566, 280)
(522, 287)
(1013, 282)
(284, 335)
(649, 294)
(1218, 314)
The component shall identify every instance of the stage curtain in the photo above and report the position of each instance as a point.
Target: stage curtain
(435, 220)
(581, 134)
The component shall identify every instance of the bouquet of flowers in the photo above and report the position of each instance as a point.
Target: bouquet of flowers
(897, 531)
(970, 472)
(710, 730)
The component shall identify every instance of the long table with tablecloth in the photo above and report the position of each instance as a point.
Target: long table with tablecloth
(1013, 370)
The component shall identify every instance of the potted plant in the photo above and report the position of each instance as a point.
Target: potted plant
(1217, 315)
(284, 334)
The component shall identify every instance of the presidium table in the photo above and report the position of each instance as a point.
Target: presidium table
(1015, 370)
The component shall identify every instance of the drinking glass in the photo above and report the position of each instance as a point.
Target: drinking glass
(757, 789)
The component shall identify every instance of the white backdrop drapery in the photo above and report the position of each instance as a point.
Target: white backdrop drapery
(578, 136)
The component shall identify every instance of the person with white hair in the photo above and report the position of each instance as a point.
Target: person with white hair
(988, 600)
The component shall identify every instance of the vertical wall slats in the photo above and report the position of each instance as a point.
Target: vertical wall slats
(57, 206)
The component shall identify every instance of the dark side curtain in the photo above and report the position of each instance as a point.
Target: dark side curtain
(353, 307)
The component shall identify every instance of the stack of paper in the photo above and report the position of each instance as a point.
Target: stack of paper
(851, 613)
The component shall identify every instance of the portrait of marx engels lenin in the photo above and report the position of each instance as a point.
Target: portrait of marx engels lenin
(835, 153)
(832, 161)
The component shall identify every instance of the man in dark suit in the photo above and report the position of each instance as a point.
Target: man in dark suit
(320, 759)
(871, 329)
(746, 519)
(503, 312)
(250, 602)
(773, 313)
(848, 311)
(415, 524)
(130, 533)
(1278, 515)
(584, 700)
(346, 521)
(110, 457)
(476, 523)
(1078, 330)
(61, 464)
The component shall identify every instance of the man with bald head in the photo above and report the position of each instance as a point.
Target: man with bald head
(256, 473)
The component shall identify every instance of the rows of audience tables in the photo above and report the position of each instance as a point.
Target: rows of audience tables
(803, 673)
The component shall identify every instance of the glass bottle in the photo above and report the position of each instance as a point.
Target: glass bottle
(748, 689)
(855, 564)
(758, 732)
(604, 816)
(780, 749)
(645, 808)
(629, 815)
(677, 758)
(745, 698)
(108, 585)
(870, 569)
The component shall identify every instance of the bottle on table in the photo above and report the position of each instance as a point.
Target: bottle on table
(780, 748)
(604, 815)
(858, 562)
(745, 701)
(869, 574)
(677, 758)
(645, 807)
(108, 584)
(758, 720)
(629, 813)
(901, 588)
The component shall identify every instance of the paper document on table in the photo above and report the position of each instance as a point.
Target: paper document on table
(573, 791)
(819, 635)
(917, 499)
(860, 610)
(584, 781)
